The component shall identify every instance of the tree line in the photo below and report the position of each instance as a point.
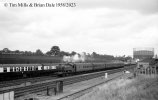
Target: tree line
(55, 51)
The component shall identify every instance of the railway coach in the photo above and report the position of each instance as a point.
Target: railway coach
(15, 71)
(75, 68)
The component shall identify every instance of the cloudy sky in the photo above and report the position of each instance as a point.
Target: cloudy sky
(112, 27)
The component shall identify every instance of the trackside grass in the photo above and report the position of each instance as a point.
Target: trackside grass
(140, 88)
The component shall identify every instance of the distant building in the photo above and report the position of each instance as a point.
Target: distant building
(147, 62)
(142, 64)
(143, 53)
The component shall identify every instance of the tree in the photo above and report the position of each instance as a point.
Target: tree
(17, 51)
(63, 53)
(6, 50)
(73, 53)
(28, 53)
(94, 54)
(39, 52)
(55, 50)
(48, 53)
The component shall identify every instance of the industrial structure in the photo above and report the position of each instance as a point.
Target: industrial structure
(143, 53)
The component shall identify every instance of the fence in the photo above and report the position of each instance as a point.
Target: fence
(151, 70)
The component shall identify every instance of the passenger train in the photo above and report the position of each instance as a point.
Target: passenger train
(15, 71)
(77, 68)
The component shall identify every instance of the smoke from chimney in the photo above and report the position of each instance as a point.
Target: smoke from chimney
(75, 58)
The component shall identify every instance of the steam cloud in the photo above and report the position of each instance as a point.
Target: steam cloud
(75, 58)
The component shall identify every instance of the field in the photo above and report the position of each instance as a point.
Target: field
(140, 88)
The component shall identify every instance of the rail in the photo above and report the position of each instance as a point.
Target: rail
(42, 86)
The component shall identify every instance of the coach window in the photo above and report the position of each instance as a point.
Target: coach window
(33, 67)
(1, 69)
(17, 69)
(45, 67)
(22, 68)
(29, 68)
(4, 69)
(11, 69)
(25, 68)
(36, 68)
(8, 69)
(48, 67)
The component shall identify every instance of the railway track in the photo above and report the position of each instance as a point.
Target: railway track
(75, 95)
(21, 81)
(43, 85)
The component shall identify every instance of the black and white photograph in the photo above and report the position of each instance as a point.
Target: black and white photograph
(78, 49)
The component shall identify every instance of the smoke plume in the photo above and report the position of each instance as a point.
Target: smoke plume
(75, 58)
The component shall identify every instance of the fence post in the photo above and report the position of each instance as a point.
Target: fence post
(106, 75)
(150, 71)
(59, 86)
(137, 72)
(55, 91)
(48, 91)
(156, 70)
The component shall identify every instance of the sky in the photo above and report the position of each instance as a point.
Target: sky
(111, 27)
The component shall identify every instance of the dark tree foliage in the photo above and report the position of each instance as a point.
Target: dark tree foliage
(17, 51)
(6, 50)
(48, 53)
(94, 54)
(28, 53)
(73, 53)
(55, 50)
(39, 52)
(63, 53)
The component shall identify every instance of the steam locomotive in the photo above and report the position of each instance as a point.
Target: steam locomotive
(15, 71)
